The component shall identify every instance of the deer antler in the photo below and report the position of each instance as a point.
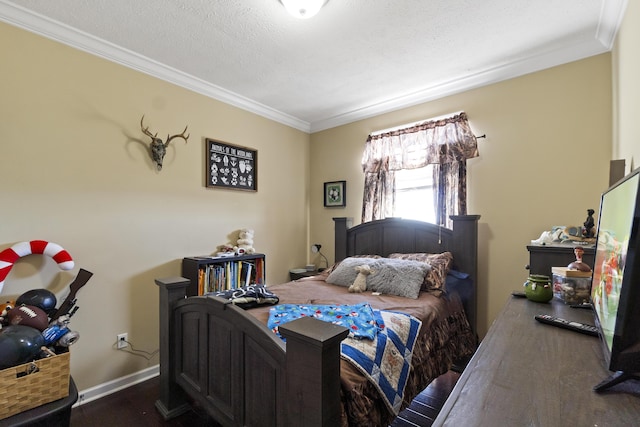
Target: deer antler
(169, 138)
(157, 147)
(145, 130)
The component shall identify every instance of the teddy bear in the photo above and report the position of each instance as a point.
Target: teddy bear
(245, 241)
(360, 283)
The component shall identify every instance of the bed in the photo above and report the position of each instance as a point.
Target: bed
(225, 359)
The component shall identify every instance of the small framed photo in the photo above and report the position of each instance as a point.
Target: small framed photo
(335, 194)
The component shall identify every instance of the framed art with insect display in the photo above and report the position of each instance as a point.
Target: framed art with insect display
(231, 166)
(335, 194)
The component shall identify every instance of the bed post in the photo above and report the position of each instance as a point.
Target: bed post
(465, 238)
(342, 224)
(172, 401)
(313, 372)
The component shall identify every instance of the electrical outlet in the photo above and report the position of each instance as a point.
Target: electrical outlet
(122, 339)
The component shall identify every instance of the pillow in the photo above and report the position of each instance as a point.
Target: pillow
(333, 267)
(461, 283)
(399, 277)
(344, 272)
(440, 266)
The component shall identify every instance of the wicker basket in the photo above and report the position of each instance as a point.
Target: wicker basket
(21, 391)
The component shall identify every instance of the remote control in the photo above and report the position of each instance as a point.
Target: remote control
(518, 294)
(583, 328)
(583, 305)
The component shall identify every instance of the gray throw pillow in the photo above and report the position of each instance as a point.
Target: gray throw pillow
(390, 276)
(345, 273)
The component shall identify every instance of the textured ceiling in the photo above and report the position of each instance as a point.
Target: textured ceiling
(355, 59)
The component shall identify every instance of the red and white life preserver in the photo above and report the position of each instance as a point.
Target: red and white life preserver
(9, 256)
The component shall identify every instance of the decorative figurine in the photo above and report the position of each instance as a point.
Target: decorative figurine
(578, 264)
(589, 225)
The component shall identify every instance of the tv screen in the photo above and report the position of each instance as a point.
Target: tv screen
(615, 288)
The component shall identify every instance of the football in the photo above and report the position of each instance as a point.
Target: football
(28, 315)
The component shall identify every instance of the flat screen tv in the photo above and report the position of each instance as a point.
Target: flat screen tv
(615, 287)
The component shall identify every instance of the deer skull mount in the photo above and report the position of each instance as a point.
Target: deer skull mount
(159, 148)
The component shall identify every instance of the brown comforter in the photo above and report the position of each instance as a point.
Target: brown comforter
(445, 336)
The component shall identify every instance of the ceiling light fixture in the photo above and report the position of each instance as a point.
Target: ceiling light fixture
(303, 9)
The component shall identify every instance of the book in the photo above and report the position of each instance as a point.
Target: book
(567, 272)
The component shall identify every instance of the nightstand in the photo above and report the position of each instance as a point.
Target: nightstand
(299, 273)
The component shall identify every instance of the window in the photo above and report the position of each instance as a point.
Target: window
(445, 144)
(414, 194)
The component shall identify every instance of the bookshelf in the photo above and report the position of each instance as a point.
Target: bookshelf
(211, 274)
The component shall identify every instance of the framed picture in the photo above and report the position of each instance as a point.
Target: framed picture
(231, 166)
(335, 194)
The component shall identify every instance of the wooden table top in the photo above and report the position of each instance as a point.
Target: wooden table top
(526, 373)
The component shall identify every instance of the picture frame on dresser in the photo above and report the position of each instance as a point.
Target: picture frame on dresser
(335, 194)
(231, 167)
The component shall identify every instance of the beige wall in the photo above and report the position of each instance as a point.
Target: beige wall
(626, 105)
(544, 163)
(75, 172)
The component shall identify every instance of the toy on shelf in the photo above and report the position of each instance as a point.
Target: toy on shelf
(243, 245)
(245, 241)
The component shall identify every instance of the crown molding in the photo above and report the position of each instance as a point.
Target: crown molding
(611, 15)
(57, 31)
(610, 19)
(467, 82)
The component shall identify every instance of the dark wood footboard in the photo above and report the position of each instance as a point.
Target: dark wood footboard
(234, 367)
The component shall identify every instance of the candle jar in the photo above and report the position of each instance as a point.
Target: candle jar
(538, 288)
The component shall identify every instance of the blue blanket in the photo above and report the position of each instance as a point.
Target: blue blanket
(359, 318)
(384, 356)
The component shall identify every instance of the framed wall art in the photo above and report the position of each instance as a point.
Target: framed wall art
(335, 194)
(231, 166)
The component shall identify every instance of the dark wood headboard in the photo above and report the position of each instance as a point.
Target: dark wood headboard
(385, 236)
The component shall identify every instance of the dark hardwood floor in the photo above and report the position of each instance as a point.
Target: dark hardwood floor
(135, 406)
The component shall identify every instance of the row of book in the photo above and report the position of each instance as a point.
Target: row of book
(229, 275)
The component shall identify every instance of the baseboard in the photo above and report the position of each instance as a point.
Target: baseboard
(105, 389)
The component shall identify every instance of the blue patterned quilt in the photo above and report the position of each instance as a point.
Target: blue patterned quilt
(359, 318)
(386, 360)
(380, 343)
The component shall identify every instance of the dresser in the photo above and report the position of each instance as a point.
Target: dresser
(526, 373)
(543, 257)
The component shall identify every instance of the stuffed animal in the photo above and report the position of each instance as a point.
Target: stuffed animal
(245, 241)
(4, 309)
(360, 283)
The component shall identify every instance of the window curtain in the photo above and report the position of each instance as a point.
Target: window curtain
(445, 143)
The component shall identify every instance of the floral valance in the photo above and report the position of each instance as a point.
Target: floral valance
(434, 142)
